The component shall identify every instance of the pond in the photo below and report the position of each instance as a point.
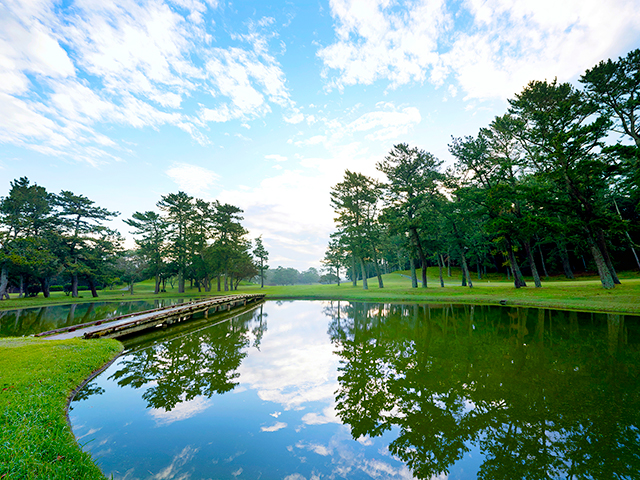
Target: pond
(308, 390)
(28, 321)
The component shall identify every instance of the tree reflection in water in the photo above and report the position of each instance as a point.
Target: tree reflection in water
(543, 395)
(185, 366)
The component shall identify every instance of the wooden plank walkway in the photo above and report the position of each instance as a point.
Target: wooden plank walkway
(140, 321)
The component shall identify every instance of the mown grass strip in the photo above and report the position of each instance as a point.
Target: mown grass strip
(584, 293)
(36, 379)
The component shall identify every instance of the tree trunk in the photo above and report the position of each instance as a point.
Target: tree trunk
(92, 286)
(365, 284)
(261, 277)
(423, 260)
(534, 269)
(414, 278)
(354, 273)
(21, 288)
(156, 290)
(518, 279)
(226, 282)
(544, 267)
(44, 285)
(440, 264)
(74, 285)
(564, 256)
(218, 282)
(605, 254)
(338, 274)
(4, 280)
(180, 281)
(378, 272)
(603, 271)
(465, 271)
(448, 264)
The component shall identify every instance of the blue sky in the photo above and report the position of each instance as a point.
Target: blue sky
(264, 104)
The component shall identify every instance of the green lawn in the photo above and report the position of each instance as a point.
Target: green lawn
(37, 377)
(585, 293)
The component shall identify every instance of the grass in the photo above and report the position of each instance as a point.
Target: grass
(584, 293)
(36, 380)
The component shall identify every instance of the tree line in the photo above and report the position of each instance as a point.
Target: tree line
(47, 237)
(552, 182)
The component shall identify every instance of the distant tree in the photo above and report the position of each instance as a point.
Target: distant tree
(355, 200)
(413, 180)
(334, 257)
(562, 134)
(229, 240)
(131, 266)
(81, 223)
(309, 276)
(178, 208)
(29, 235)
(262, 256)
(283, 276)
(152, 230)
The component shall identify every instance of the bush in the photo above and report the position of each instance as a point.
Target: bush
(57, 288)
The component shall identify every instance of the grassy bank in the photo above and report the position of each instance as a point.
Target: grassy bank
(36, 379)
(584, 293)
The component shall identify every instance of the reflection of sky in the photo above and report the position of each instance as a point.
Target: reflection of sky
(279, 422)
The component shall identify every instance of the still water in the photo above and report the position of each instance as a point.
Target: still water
(309, 390)
(27, 321)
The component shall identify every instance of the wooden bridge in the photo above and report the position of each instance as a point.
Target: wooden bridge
(150, 319)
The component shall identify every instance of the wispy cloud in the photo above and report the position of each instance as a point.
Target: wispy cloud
(491, 48)
(192, 179)
(274, 428)
(67, 72)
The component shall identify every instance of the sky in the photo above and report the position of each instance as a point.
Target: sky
(265, 104)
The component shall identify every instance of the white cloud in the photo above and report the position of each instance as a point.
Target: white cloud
(275, 427)
(387, 124)
(316, 448)
(295, 117)
(329, 415)
(505, 45)
(276, 158)
(182, 411)
(69, 70)
(192, 179)
(315, 140)
(376, 39)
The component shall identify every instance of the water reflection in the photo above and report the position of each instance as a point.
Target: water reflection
(542, 394)
(355, 390)
(184, 367)
(28, 321)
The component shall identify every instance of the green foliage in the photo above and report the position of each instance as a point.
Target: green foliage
(538, 187)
